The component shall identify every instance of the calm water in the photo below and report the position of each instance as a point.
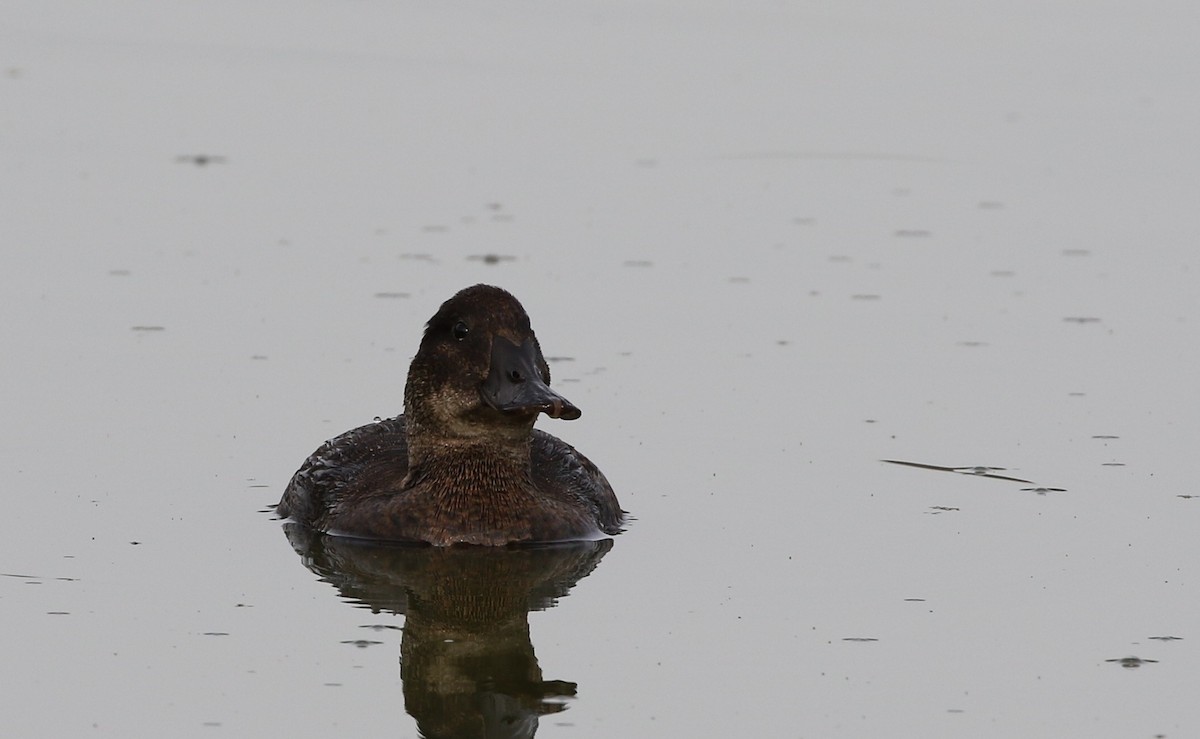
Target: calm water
(767, 247)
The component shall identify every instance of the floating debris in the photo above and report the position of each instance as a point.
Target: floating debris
(974, 470)
(1166, 638)
(1043, 491)
(859, 638)
(362, 643)
(936, 509)
(1130, 662)
(1081, 319)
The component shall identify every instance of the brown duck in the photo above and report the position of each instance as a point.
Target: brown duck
(463, 464)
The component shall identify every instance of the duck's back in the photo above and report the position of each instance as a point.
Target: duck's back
(561, 470)
(340, 467)
(371, 463)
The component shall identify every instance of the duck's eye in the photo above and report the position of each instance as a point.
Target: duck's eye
(460, 330)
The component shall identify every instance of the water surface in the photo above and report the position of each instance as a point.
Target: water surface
(768, 247)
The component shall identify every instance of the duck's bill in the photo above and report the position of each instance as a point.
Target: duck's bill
(515, 385)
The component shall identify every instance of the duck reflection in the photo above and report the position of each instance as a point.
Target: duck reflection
(466, 660)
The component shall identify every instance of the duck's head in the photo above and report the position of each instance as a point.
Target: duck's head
(479, 371)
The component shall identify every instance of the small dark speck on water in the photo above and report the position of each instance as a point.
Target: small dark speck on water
(1105, 436)
(859, 638)
(1043, 491)
(361, 643)
(491, 258)
(1166, 638)
(135, 543)
(200, 160)
(1081, 319)
(58, 613)
(560, 359)
(216, 633)
(381, 627)
(1113, 464)
(258, 357)
(1187, 496)
(147, 328)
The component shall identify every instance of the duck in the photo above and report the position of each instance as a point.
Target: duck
(463, 464)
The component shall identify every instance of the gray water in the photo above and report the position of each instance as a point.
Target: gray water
(767, 246)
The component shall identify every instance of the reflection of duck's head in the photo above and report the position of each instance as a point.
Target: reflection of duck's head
(479, 375)
(467, 662)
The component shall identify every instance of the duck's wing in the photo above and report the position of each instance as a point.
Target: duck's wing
(333, 469)
(561, 470)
